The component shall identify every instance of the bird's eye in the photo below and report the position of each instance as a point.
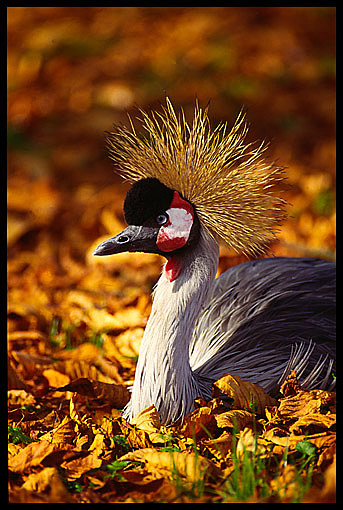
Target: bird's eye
(162, 219)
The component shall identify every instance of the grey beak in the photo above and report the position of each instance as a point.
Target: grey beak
(132, 238)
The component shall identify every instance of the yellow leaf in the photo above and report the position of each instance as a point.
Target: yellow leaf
(329, 490)
(189, 465)
(56, 378)
(75, 468)
(247, 442)
(244, 393)
(116, 394)
(220, 446)
(286, 484)
(85, 352)
(102, 320)
(64, 432)
(31, 456)
(18, 398)
(303, 403)
(148, 420)
(235, 418)
(198, 423)
(39, 482)
(314, 422)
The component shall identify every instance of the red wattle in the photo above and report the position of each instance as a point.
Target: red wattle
(173, 268)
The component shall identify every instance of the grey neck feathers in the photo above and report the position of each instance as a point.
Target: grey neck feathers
(163, 374)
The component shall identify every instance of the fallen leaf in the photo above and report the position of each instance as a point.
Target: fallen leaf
(291, 385)
(219, 447)
(43, 480)
(75, 468)
(56, 378)
(235, 418)
(286, 485)
(19, 398)
(189, 465)
(248, 441)
(115, 394)
(303, 403)
(245, 394)
(148, 420)
(313, 422)
(64, 432)
(101, 320)
(201, 423)
(31, 456)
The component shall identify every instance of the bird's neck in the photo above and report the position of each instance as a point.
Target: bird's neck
(163, 374)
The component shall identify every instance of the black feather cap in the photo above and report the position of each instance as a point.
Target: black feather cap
(146, 199)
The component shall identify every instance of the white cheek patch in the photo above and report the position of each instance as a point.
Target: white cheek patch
(175, 233)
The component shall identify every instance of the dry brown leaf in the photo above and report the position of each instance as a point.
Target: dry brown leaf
(86, 352)
(14, 381)
(64, 432)
(187, 464)
(61, 203)
(135, 437)
(277, 436)
(19, 398)
(244, 393)
(327, 449)
(322, 440)
(30, 361)
(13, 449)
(141, 477)
(148, 420)
(101, 320)
(75, 468)
(125, 346)
(235, 418)
(219, 447)
(291, 385)
(77, 369)
(16, 227)
(303, 403)
(44, 205)
(109, 368)
(32, 456)
(314, 422)
(43, 480)
(56, 492)
(328, 492)
(249, 442)
(56, 378)
(286, 483)
(115, 394)
(98, 445)
(24, 336)
(201, 423)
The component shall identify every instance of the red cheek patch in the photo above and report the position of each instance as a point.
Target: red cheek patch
(175, 233)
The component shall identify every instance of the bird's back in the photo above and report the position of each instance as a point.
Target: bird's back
(264, 318)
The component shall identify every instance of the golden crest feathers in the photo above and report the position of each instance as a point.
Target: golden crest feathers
(230, 184)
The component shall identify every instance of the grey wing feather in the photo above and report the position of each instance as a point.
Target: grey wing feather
(266, 317)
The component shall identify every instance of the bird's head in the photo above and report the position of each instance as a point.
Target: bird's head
(159, 221)
(185, 175)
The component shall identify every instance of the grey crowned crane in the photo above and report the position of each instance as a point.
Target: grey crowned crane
(258, 320)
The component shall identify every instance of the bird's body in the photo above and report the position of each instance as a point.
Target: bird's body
(243, 323)
(257, 320)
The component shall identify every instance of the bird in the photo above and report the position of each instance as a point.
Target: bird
(192, 187)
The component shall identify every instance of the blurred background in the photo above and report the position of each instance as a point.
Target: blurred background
(74, 71)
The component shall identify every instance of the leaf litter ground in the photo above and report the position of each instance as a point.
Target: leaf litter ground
(75, 322)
